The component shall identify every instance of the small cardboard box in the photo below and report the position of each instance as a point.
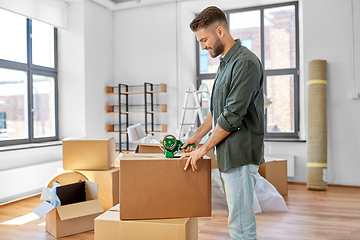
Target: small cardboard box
(108, 184)
(153, 186)
(108, 226)
(275, 171)
(88, 153)
(149, 148)
(73, 218)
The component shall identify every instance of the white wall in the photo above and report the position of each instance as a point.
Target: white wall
(85, 68)
(328, 37)
(71, 73)
(145, 51)
(99, 64)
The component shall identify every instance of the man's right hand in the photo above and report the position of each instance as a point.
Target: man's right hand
(192, 140)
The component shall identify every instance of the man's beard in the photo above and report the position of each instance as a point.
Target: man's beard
(218, 47)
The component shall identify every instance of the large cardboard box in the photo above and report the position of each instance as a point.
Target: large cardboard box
(149, 148)
(211, 155)
(108, 186)
(108, 226)
(275, 171)
(88, 153)
(153, 186)
(75, 217)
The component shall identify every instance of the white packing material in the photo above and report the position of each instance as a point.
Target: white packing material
(269, 198)
(266, 197)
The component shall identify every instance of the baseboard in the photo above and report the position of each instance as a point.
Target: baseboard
(19, 197)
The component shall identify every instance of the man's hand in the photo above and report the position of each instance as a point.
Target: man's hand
(193, 157)
(192, 140)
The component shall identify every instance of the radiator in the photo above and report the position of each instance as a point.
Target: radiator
(290, 162)
(23, 182)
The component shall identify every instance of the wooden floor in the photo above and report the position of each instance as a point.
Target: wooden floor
(332, 214)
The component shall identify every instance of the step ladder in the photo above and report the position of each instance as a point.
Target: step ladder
(199, 97)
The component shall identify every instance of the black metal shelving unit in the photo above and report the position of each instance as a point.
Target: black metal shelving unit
(124, 110)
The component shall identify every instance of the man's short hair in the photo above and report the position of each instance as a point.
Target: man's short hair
(207, 17)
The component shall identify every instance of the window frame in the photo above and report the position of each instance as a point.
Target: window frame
(271, 72)
(31, 69)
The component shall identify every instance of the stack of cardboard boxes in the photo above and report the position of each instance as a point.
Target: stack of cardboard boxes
(95, 158)
(89, 186)
(158, 199)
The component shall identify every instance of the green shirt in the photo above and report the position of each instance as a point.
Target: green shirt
(237, 106)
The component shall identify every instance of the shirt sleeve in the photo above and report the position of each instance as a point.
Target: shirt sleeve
(245, 84)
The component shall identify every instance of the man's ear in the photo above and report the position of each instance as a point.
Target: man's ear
(220, 31)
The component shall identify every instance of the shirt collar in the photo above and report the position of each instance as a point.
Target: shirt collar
(231, 51)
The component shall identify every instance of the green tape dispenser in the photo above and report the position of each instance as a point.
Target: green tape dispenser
(172, 145)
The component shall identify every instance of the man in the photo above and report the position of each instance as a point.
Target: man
(236, 117)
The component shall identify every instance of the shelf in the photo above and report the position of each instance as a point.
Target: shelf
(110, 128)
(110, 90)
(148, 108)
(110, 109)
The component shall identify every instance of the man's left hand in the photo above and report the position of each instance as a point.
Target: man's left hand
(193, 157)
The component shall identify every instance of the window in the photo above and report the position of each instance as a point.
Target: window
(2, 124)
(28, 80)
(271, 32)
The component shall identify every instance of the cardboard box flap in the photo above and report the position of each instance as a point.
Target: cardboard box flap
(149, 148)
(115, 208)
(43, 209)
(91, 190)
(79, 209)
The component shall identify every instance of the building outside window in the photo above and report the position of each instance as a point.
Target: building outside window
(28, 80)
(271, 32)
(2, 124)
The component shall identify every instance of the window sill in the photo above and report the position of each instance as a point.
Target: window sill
(30, 146)
(284, 140)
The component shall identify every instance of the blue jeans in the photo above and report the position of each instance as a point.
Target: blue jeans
(239, 185)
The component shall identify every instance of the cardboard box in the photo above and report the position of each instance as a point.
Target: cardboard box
(275, 171)
(108, 186)
(153, 186)
(73, 218)
(108, 226)
(211, 155)
(148, 148)
(88, 153)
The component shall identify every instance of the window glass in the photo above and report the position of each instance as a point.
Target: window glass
(43, 106)
(42, 44)
(209, 83)
(13, 37)
(280, 38)
(246, 27)
(280, 114)
(205, 91)
(3, 124)
(13, 104)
